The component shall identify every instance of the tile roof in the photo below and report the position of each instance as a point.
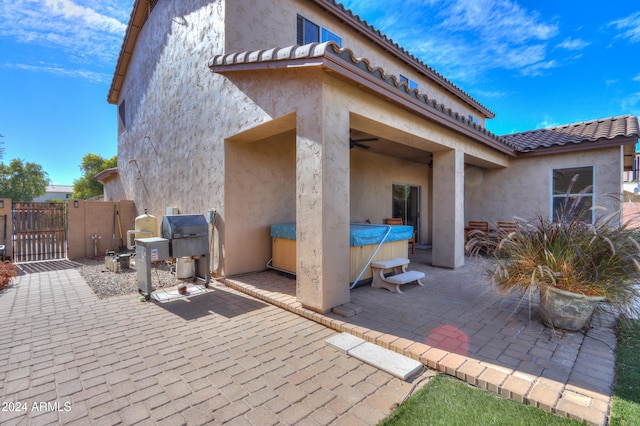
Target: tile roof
(265, 57)
(621, 127)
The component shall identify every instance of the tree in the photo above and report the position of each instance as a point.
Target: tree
(22, 181)
(87, 186)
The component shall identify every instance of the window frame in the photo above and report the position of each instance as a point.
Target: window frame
(410, 83)
(122, 121)
(574, 191)
(322, 34)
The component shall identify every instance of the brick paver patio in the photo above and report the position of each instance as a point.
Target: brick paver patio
(458, 325)
(67, 357)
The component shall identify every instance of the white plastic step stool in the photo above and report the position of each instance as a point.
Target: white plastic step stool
(401, 276)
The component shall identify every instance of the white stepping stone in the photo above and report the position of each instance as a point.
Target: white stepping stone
(393, 363)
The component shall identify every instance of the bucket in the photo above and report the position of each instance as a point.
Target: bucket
(185, 268)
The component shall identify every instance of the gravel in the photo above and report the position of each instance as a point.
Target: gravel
(105, 283)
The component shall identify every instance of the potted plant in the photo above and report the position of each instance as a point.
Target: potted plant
(575, 264)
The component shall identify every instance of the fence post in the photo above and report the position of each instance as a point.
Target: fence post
(6, 227)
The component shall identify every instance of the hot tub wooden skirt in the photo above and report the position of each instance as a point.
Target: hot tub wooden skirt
(284, 255)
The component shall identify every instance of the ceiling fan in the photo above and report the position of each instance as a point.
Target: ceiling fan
(359, 142)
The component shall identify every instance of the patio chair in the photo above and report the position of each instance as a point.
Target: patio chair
(505, 228)
(399, 221)
(476, 228)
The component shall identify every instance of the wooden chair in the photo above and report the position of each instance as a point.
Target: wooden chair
(399, 221)
(476, 228)
(505, 228)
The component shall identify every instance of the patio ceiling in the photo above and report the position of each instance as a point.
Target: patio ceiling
(387, 147)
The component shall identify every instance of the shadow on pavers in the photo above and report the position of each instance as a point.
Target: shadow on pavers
(217, 302)
(45, 266)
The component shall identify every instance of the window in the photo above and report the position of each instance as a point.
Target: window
(410, 83)
(329, 36)
(309, 32)
(573, 185)
(121, 120)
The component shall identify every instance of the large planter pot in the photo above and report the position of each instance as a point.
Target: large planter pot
(566, 310)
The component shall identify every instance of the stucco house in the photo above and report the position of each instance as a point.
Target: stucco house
(299, 111)
(55, 192)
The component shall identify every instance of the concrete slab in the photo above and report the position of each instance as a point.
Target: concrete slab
(166, 295)
(344, 342)
(393, 363)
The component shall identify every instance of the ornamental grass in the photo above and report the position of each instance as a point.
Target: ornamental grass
(593, 259)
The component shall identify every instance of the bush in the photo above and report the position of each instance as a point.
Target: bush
(7, 272)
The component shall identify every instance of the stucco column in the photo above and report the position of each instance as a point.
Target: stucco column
(322, 207)
(448, 209)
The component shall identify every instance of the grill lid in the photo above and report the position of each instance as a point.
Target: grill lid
(184, 226)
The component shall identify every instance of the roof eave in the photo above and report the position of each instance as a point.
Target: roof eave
(581, 146)
(334, 63)
(106, 175)
(136, 20)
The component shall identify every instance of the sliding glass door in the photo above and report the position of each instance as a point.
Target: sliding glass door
(406, 204)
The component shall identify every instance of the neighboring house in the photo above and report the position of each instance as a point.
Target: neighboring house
(298, 111)
(55, 192)
(113, 189)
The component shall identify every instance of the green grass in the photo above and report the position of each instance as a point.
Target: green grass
(448, 401)
(625, 409)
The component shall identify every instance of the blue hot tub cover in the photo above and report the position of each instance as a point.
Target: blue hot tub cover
(359, 235)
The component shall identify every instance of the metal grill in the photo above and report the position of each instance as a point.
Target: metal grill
(188, 236)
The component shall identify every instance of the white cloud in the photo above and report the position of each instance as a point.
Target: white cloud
(573, 44)
(463, 39)
(492, 94)
(70, 11)
(539, 68)
(636, 78)
(630, 27)
(63, 71)
(65, 33)
(498, 21)
(547, 122)
(631, 103)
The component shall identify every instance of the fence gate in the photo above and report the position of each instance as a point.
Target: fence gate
(39, 231)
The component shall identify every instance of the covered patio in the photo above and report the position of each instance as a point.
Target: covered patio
(457, 324)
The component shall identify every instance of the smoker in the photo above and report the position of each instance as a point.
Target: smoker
(188, 236)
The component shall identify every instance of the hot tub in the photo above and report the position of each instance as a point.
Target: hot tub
(363, 239)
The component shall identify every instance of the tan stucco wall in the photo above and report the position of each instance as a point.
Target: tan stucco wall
(272, 23)
(261, 182)
(272, 146)
(113, 189)
(86, 218)
(524, 188)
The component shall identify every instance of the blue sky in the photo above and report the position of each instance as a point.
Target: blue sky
(534, 63)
